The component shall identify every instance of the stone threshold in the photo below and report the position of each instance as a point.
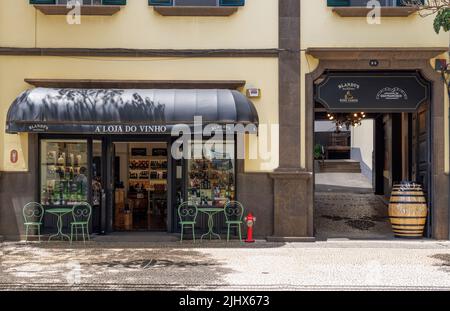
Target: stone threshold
(290, 239)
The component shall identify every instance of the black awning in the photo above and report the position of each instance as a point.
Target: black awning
(125, 110)
(372, 92)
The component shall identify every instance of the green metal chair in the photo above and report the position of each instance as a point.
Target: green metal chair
(33, 213)
(81, 214)
(188, 214)
(234, 212)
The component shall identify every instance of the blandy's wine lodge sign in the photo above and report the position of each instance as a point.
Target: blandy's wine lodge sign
(372, 92)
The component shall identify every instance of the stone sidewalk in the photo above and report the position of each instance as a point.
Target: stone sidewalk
(332, 265)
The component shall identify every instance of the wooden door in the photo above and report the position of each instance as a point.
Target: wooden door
(421, 156)
(378, 155)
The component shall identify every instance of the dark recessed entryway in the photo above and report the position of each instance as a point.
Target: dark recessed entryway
(366, 147)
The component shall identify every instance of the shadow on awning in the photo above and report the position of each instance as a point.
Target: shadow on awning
(98, 111)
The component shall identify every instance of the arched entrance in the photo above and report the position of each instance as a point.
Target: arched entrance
(393, 60)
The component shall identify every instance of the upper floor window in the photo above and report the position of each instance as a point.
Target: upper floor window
(82, 2)
(88, 7)
(363, 3)
(196, 7)
(360, 8)
(197, 3)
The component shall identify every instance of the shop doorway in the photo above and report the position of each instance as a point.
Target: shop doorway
(140, 177)
(359, 155)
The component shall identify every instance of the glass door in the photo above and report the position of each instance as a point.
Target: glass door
(97, 187)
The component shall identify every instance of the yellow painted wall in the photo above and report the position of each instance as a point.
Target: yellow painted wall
(258, 72)
(320, 27)
(362, 139)
(446, 119)
(137, 26)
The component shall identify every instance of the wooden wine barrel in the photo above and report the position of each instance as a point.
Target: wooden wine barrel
(408, 210)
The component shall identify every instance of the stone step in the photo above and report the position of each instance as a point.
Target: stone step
(340, 170)
(339, 166)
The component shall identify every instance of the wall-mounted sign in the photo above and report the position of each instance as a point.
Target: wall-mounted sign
(14, 156)
(253, 92)
(372, 92)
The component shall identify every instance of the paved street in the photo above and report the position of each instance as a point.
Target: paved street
(347, 265)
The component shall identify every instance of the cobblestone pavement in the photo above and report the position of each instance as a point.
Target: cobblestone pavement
(345, 206)
(349, 265)
(351, 215)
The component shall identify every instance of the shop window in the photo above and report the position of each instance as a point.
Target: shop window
(211, 177)
(389, 8)
(64, 172)
(88, 7)
(196, 7)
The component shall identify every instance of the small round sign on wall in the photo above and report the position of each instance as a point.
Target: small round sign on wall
(14, 156)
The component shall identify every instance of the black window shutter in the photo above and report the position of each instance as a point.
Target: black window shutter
(160, 2)
(114, 2)
(338, 2)
(42, 1)
(232, 2)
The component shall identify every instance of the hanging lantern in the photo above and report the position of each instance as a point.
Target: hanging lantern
(346, 119)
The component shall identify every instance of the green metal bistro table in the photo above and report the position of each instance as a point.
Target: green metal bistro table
(210, 211)
(59, 212)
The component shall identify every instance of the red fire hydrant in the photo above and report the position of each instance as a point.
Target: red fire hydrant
(250, 221)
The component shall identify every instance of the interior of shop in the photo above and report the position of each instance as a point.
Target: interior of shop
(140, 175)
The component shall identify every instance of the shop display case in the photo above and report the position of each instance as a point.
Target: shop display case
(211, 180)
(64, 174)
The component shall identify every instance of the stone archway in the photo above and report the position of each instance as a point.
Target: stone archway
(389, 59)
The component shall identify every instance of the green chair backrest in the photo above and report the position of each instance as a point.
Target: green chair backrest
(187, 211)
(81, 212)
(33, 212)
(234, 211)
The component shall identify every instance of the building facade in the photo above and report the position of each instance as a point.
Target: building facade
(204, 55)
(341, 48)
